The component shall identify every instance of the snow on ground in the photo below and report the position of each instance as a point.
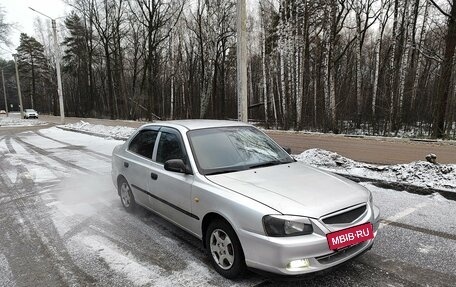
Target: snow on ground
(419, 173)
(18, 122)
(117, 132)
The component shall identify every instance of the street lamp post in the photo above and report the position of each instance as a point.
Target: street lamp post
(4, 94)
(18, 86)
(57, 65)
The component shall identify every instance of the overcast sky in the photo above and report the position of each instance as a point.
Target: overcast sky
(17, 12)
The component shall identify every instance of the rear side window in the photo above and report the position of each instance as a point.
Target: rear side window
(143, 143)
(170, 147)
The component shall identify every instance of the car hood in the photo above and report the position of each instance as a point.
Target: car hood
(295, 189)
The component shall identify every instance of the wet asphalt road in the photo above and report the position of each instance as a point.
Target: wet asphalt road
(62, 224)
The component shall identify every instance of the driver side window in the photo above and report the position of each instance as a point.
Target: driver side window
(170, 147)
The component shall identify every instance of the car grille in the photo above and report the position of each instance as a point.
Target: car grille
(346, 217)
(340, 254)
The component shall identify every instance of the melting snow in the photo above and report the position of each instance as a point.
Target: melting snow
(122, 262)
(117, 132)
(419, 173)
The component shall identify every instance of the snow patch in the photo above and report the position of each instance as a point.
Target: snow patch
(18, 122)
(425, 249)
(7, 278)
(117, 132)
(142, 273)
(122, 262)
(82, 194)
(11, 174)
(420, 173)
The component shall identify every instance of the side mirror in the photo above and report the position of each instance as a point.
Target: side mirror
(287, 149)
(177, 165)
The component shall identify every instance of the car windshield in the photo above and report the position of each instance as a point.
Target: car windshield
(230, 149)
(29, 110)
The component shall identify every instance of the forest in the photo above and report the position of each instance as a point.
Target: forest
(379, 67)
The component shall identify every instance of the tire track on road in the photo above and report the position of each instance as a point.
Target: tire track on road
(9, 146)
(85, 149)
(420, 229)
(53, 157)
(11, 198)
(39, 162)
(415, 274)
(41, 240)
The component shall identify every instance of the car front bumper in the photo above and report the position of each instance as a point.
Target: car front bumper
(274, 254)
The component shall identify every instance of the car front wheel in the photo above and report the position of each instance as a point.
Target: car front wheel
(126, 196)
(225, 250)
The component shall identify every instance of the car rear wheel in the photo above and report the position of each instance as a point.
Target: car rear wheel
(225, 250)
(126, 196)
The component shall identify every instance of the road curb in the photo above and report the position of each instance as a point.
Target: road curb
(92, 133)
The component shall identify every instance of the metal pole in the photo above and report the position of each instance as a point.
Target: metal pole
(242, 61)
(59, 78)
(18, 87)
(4, 94)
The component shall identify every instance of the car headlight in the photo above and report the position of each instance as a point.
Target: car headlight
(286, 225)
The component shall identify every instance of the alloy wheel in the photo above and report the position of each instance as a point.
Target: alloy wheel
(222, 249)
(125, 194)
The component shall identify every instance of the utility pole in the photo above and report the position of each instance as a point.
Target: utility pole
(59, 77)
(242, 61)
(57, 65)
(4, 94)
(18, 87)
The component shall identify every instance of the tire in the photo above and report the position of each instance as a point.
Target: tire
(126, 196)
(223, 243)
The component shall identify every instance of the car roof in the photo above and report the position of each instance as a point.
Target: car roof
(199, 124)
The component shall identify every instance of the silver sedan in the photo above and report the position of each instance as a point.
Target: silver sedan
(251, 204)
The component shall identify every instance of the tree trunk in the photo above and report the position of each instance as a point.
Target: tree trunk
(378, 50)
(419, 57)
(440, 107)
(265, 80)
(282, 69)
(404, 65)
(393, 68)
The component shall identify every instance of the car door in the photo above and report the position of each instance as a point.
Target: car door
(138, 164)
(172, 190)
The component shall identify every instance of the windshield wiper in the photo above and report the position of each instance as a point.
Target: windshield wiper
(222, 171)
(268, 163)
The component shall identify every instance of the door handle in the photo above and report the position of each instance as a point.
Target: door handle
(154, 176)
(126, 164)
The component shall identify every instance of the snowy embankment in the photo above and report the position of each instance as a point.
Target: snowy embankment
(420, 173)
(417, 174)
(115, 132)
(18, 122)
